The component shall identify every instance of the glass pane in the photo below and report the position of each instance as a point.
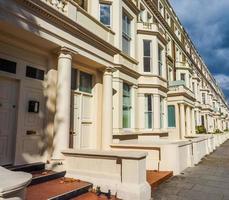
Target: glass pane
(85, 82)
(126, 106)
(35, 73)
(74, 79)
(147, 47)
(105, 14)
(7, 66)
(147, 64)
(126, 45)
(148, 120)
(126, 24)
(171, 116)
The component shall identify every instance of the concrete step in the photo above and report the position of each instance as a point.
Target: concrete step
(45, 175)
(58, 189)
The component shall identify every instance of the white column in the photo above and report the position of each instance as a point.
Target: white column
(188, 120)
(193, 122)
(197, 117)
(156, 111)
(141, 111)
(107, 119)
(177, 121)
(117, 103)
(134, 107)
(62, 116)
(182, 121)
(165, 117)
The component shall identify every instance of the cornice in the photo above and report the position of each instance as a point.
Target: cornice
(181, 94)
(131, 5)
(160, 87)
(126, 70)
(51, 15)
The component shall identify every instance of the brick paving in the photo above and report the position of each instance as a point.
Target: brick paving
(209, 180)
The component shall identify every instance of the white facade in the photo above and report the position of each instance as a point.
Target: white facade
(72, 77)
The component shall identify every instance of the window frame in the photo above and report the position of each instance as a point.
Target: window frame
(126, 32)
(108, 3)
(147, 111)
(174, 117)
(149, 57)
(160, 60)
(128, 107)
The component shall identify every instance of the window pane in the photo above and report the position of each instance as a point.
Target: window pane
(105, 14)
(147, 47)
(74, 79)
(126, 106)
(7, 66)
(125, 45)
(85, 82)
(35, 73)
(160, 62)
(171, 116)
(147, 64)
(148, 111)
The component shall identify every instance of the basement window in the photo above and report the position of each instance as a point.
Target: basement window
(35, 73)
(7, 66)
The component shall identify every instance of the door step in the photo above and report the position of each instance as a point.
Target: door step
(58, 189)
(28, 167)
(45, 175)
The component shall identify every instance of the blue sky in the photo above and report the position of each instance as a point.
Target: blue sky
(207, 23)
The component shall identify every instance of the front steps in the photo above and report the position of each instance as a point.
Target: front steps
(51, 185)
(155, 178)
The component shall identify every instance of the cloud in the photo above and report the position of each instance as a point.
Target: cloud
(207, 23)
(223, 80)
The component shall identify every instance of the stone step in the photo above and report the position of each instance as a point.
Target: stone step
(155, 178)
(58, 189)
(28, 167)
(45, 175)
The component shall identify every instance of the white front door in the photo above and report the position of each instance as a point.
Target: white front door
(8, 110)
(81, 120)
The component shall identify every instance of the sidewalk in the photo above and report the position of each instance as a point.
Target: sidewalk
(209, 180)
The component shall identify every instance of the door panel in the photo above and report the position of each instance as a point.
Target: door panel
(81, 121)
(8, 107)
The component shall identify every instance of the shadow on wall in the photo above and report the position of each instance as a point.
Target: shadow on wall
(14, 15)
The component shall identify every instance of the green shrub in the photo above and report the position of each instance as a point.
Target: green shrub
(200, 130)
(217, 131)
(226, 130)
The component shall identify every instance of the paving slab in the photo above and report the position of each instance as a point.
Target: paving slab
(209, 180)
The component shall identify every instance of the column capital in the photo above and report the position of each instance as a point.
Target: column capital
(66, 51)
(109, 69)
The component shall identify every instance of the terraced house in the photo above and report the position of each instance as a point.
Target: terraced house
(102, 75)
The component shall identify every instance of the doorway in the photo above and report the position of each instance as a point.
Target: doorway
(8, 112)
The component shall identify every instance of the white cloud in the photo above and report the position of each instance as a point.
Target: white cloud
(223, 81)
